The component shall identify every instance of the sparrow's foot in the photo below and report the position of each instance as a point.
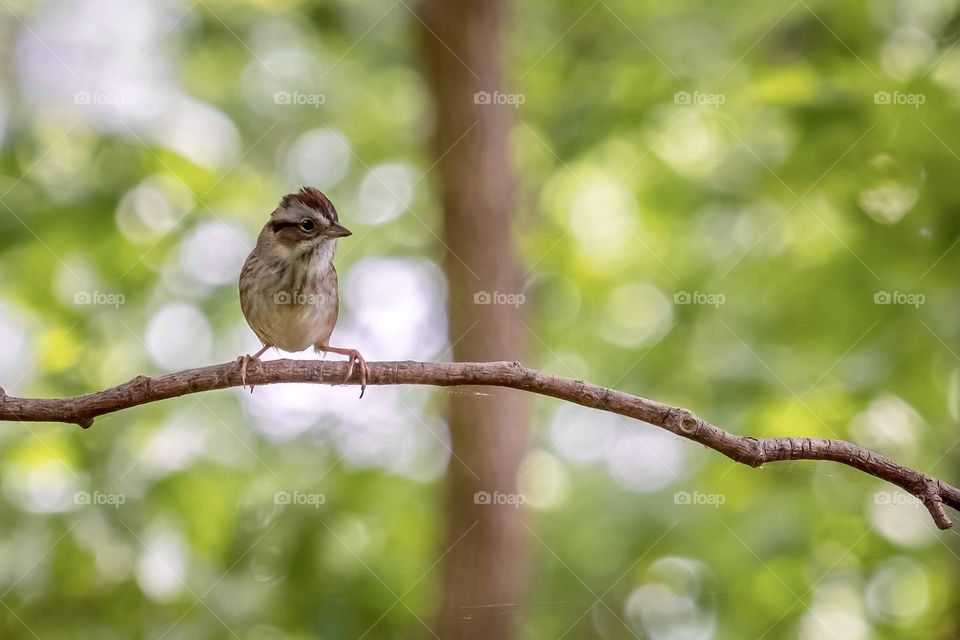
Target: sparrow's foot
(244, 362)
(354, 358)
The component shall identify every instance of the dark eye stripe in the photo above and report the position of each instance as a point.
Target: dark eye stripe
(277, 226)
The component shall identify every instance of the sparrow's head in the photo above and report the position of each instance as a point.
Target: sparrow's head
(304, 221)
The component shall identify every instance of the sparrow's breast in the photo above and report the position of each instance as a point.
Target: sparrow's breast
(292, 309)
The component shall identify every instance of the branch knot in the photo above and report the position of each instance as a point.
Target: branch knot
(760, 455)
(933, 501)
(684, 420)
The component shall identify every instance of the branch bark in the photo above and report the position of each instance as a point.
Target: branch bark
(82, 410)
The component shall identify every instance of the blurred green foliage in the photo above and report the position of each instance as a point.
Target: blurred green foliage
(747, 210)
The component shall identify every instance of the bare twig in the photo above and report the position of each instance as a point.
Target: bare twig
(82, 410)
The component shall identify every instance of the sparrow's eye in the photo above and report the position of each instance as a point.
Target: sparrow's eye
(307, 225)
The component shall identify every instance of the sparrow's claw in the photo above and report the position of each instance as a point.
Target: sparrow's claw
(244, 362)
(354, 358)
(363, 370)
(350, 367)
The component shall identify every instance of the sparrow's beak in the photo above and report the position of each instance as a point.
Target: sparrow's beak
(337, 230)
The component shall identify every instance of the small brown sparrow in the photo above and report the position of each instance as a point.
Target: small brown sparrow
(288, 285)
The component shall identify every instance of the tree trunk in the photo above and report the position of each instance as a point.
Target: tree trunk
(485, 562)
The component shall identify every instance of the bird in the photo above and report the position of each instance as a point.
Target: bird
(288, 284)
